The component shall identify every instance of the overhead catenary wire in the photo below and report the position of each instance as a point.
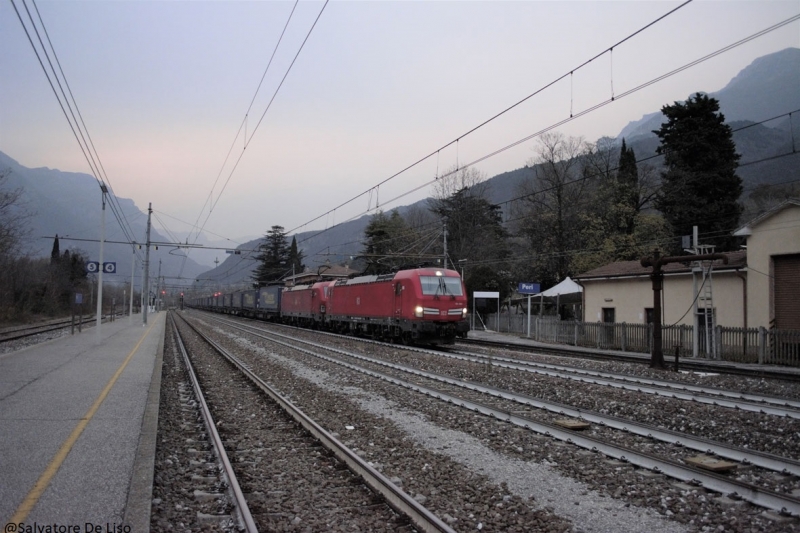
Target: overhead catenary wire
(261, 119)
(213, 204)
(246, 115)
(612, 169)
(498, 115)
(78, 127)
(547, 128)
(233, 143)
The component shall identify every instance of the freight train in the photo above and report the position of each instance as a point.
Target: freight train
(421, 305)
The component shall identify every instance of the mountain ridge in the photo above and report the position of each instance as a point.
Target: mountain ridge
(69, 196)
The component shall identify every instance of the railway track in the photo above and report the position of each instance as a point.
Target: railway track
(22, 332)
(293, 471)
(685, 500)
(189, 441)
(459, 392)
(733, 399)
(685, 363)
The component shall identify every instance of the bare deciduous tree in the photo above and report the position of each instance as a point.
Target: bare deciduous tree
(12, 218)
(549, 216)
(454, 180)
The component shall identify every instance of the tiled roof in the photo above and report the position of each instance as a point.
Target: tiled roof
(736, 260)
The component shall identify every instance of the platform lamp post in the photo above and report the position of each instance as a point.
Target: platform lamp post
(99, 317)
(133, 271)
(462, 263)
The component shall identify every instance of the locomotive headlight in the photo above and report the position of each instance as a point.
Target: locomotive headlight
(464, 313)
(418, 310)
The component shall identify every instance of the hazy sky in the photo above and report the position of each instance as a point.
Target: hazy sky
(163, 87)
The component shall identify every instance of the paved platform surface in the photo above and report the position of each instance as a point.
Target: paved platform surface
(669, 358)
(71, 427)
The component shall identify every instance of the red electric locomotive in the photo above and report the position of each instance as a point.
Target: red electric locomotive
(423, 305)
(306, 305)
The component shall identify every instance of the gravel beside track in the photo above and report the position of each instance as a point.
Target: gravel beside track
(7, 346)
(188, 492)
(473, 471)
(609, 484)
(291, 482)
(754, 385)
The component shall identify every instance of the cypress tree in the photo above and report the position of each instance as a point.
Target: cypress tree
(295, 257)
(627, 193)
(700, 186)
(55, 255)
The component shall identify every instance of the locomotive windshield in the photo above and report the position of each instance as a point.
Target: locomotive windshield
(435, 285)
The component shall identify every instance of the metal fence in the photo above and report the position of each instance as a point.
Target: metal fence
(740, 345)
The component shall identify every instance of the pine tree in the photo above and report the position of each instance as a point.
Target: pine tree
(386, 239)
(700, 186)
(273, 259)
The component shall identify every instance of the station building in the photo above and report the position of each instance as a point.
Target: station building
(759, 287)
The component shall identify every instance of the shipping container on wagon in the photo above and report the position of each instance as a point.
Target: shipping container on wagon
(249, 301)
(236, 299)
(269, 302)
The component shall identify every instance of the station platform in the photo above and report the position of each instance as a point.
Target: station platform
(79, 416)
(669, 358)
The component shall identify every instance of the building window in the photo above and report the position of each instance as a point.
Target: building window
(608, 315)
(648, 315)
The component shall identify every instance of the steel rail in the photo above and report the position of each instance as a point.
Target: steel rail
(761, 459)
(722, 367)
(756, 398)
(399, 500)
(744, 401)
(782, 503)
(692, 393)
(45, 328)
(242, 508)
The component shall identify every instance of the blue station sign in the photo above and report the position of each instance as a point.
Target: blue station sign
(529, 288)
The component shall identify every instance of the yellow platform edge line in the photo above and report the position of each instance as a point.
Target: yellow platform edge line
(43, 482)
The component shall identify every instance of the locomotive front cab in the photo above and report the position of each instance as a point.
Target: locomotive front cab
(437, 306)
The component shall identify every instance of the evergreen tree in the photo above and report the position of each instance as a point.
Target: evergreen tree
(273, 257)
(627, 190)
(474, 227)
(55, 254)
(296, 257)
(475, 232)
(700, 186)
(388, 243)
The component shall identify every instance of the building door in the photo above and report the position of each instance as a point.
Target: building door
(786, 291)
(607, 335)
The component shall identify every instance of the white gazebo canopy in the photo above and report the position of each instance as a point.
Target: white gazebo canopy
(565, 288)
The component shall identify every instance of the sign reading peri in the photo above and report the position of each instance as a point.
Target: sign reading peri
(529, 288)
